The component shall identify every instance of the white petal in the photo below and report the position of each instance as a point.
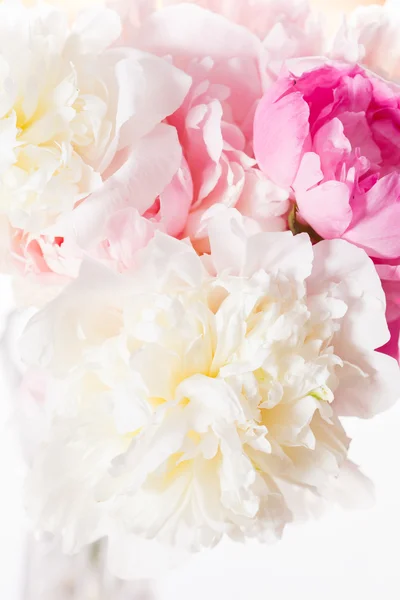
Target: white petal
(96, 29)
(147, 170)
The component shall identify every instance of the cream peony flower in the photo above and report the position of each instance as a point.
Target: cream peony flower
(78, 117)
(195, 398)
(56, 119)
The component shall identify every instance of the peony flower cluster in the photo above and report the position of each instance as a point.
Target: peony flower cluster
(200, 205)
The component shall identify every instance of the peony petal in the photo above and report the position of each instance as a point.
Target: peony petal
(8, 141)
(96, 29)
(176, 200)
(378, 229)
(309, 173)
(378, 391)
(341, 264)
(326, 208)
(392, 348)
(332, 145)
(151, 88)
(280, 132)
(358, 131)
(280, 252)
(59, 346)
(204, 34)
(374, 31)
(227, 233)
(144, 175)
(390, 278)
(126, 233)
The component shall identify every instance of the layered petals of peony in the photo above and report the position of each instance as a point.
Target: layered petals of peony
(82, 136)
(118, 134)
(232, 53)
(370, 36)
(331, 135)
(286, 28)
(258, 349)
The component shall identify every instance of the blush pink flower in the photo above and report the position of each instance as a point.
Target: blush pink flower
(332, 136)
(232, 54)
(286, 27)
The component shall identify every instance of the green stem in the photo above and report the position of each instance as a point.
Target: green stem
(297, 227)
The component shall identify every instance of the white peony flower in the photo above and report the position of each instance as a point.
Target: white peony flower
(195, 398)
(78, 117)
(374, 31)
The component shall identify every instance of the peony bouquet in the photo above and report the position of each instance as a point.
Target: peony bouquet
(200, 213)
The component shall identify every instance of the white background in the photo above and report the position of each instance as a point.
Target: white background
(12, 530)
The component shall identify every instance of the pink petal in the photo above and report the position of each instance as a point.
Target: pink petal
(280, 131)
(212, 130)
(392, 348)
(175, 201)
(127, 232)
(332, 145)
(309, 173)
(390, 278)
(358, 131)
(326, 208)
(385, 127)
(188, 30)
(377, 229)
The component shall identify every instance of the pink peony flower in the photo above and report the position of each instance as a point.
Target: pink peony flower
(332, 136)
(232, 55)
